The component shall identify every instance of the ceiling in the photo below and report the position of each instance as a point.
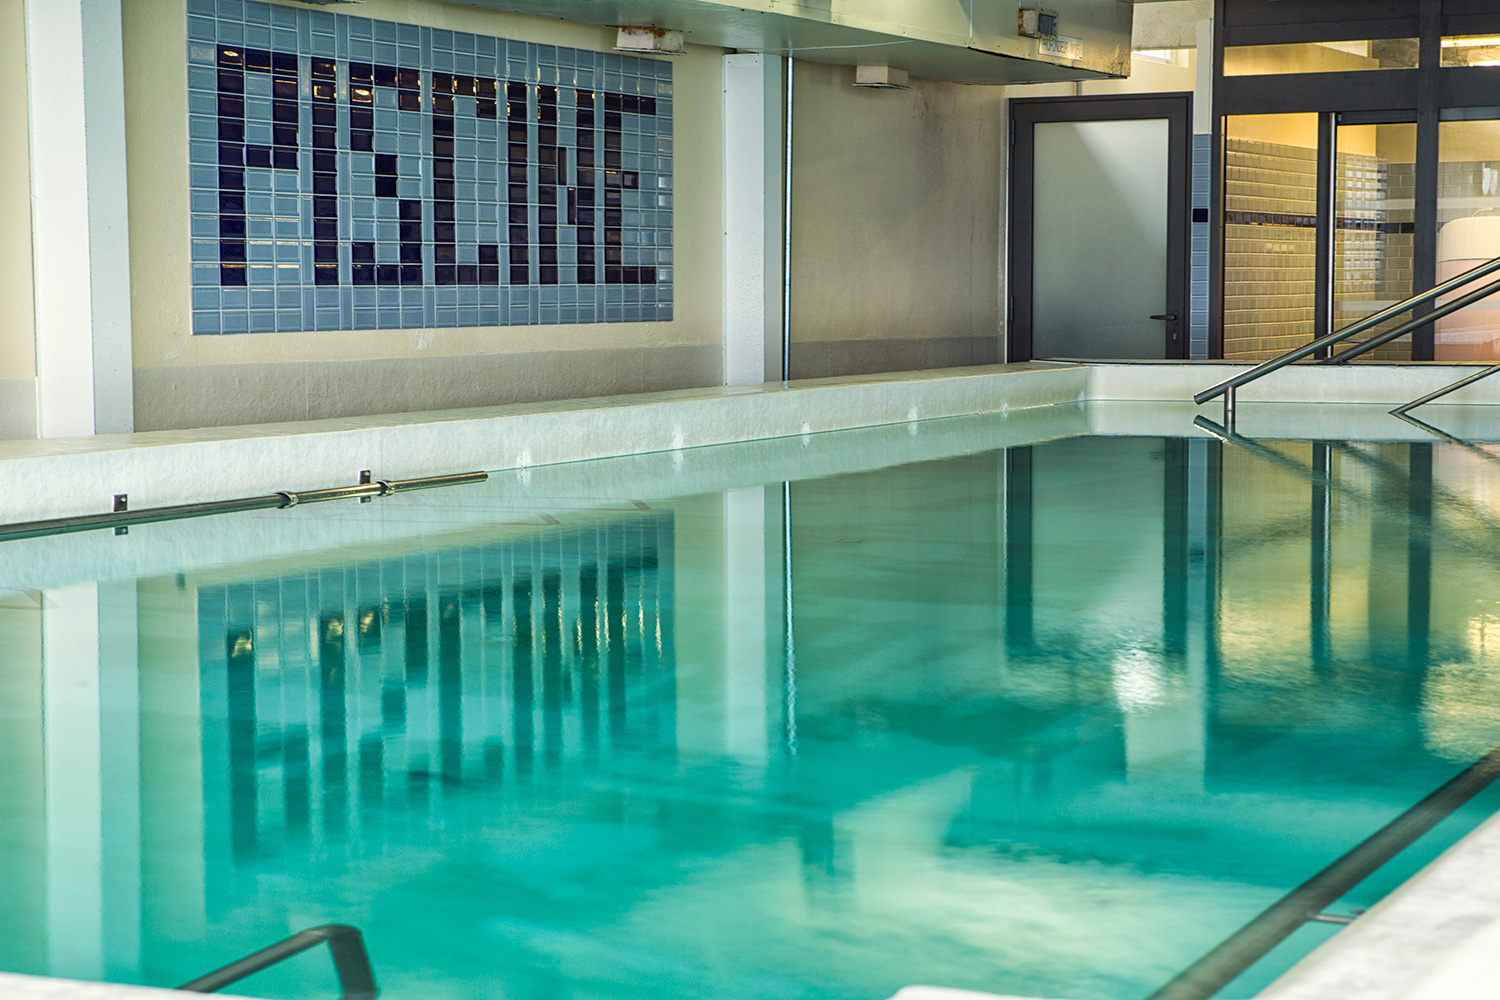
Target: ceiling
(966, 41)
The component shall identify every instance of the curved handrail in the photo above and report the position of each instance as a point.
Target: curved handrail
(1368, 323)
(345, 944)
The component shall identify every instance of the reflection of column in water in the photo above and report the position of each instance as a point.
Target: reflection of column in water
(333, 708)
(552, 724)
(1175, 558)
(492, 613)
(1321, 562)
(370, 646)
(416, 636)
(588, 608)
(450, 693)
(120, 776)
(417, 761)
(1419, 559)
(789, 637)
(72, 769)
(392, 684)
(1018, 541)
(296, 782)
(661, 618)
(240, 657)
(614, 627)
(1386, 603)
(634, 607)
(521, 680)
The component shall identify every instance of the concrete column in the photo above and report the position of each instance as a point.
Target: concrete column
(80, 220)
(753, 157)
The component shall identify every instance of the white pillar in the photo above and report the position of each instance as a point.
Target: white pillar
(80, 221)
(73, 780)
(752, 217)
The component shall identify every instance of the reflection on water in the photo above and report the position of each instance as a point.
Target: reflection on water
(349, 696)
(1065, 715)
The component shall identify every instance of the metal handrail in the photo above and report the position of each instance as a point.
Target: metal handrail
(1401, 411)
(1276, 923)
(1369, 322)
(284, 498)
(351, 963)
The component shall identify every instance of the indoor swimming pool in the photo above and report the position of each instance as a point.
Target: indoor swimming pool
(991, 702)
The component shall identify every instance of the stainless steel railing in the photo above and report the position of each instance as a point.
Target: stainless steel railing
(1305, 903)
(1402, 410)
(1228, 387)
(351, 963)
(283, 498)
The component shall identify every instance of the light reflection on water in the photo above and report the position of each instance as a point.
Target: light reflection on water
(1061, 723)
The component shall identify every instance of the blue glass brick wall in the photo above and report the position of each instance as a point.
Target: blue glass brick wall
(354, 174)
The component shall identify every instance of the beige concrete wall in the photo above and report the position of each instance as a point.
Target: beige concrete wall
(17, 318)
(895, 224)
(182, 380)
(1168, 25)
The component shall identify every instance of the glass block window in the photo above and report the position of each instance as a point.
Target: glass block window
(354, 174)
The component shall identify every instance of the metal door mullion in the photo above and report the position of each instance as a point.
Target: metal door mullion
(1326, 232)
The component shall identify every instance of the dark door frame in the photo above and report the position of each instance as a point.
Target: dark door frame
(1025, 115)
(1427, 95)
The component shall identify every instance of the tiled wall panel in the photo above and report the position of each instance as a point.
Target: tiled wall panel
(1270, 246)
(1270, 205)
(352, 174)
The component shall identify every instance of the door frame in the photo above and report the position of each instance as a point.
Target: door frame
(1025, 115)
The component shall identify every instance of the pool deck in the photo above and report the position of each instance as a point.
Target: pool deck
(1437, 936)
(63, 477)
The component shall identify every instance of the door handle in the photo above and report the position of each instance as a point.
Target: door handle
(1169, 317)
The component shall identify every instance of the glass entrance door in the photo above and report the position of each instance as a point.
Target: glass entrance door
(1098, 248)
(1319, 230)
(1374, 226)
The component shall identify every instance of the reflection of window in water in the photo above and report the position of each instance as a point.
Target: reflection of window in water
(331, 694)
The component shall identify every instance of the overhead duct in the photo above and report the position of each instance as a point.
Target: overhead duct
(969, 41)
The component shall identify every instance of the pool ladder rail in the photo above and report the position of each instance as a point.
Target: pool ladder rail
(1230, 386)
(121, 518)
(1308, 902)
(351, 962)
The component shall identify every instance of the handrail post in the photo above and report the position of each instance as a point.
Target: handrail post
(1368, 323)
(1229, 408)
(346, 946)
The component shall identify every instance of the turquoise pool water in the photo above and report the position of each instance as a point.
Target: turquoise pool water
(1050, 719)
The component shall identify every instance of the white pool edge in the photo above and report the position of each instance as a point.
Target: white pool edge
(72, 476)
